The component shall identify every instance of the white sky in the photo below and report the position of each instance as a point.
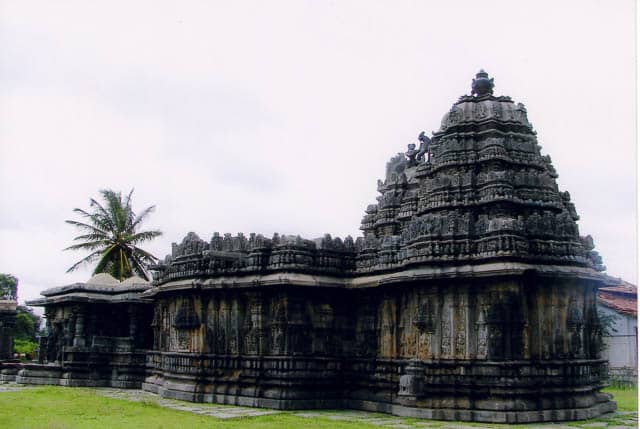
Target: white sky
(280, 116)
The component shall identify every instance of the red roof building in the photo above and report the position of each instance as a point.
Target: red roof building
(622, 298)
(619, 300)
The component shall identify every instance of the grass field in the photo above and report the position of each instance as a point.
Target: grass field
(627, 399)
(57, 408)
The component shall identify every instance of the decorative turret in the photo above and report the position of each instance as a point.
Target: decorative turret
(482, 85)
(481, 190)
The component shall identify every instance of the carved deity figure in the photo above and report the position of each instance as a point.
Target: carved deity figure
(411, 154)
(479, 110)
(423, 151)
(481, 329)
(575, 322)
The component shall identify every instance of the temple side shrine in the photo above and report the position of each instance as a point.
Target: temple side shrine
(470, 296)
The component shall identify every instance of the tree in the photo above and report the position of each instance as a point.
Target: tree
(110, 234)
(605, 327)
(27, 324)
(8, 287)
(607, 323)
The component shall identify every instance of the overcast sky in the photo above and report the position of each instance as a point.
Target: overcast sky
(280, 116)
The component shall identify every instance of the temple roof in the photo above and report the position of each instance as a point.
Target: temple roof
(102, 279)
(99, 288)
(478, 191)
(134, 280)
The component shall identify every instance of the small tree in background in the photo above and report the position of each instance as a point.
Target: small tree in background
(111, 234)
(8, 287)
(27, 323)
(27, 327)
(607, 323)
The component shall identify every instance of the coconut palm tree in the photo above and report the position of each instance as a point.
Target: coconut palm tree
(110, 234)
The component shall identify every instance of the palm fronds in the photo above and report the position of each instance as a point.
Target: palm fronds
(109, 232)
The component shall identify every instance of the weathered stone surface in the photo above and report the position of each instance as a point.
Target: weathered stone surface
(93, 335)
(470, 296)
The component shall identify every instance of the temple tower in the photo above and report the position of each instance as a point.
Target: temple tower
(479, 256)
(470, 296)
(478, 191)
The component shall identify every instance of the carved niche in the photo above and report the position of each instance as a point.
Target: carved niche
(184, 320)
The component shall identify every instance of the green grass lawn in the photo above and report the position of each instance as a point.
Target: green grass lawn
(57, 408)
(627, 398)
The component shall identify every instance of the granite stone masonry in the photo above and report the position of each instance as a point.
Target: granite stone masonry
(98, 334)
(470, 296)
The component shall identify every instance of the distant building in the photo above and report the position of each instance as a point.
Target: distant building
(619, 299)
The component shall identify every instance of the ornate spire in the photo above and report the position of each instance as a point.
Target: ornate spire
(482, 85)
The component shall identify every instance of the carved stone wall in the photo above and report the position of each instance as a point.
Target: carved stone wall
(90, 344)
(470, 296)
(94, 326)
(269, 321)
(474, 346)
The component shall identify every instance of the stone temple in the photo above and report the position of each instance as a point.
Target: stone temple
(470, 296)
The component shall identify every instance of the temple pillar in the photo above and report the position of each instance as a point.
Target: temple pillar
(79, 332)
(43, 342)
(133, 323)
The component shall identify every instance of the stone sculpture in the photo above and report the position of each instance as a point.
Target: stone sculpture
(470, 295)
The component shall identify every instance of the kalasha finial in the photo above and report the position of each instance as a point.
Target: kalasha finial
(482, 85)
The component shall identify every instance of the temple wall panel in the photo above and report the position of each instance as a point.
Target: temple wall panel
(509, 319)
(499, 341)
